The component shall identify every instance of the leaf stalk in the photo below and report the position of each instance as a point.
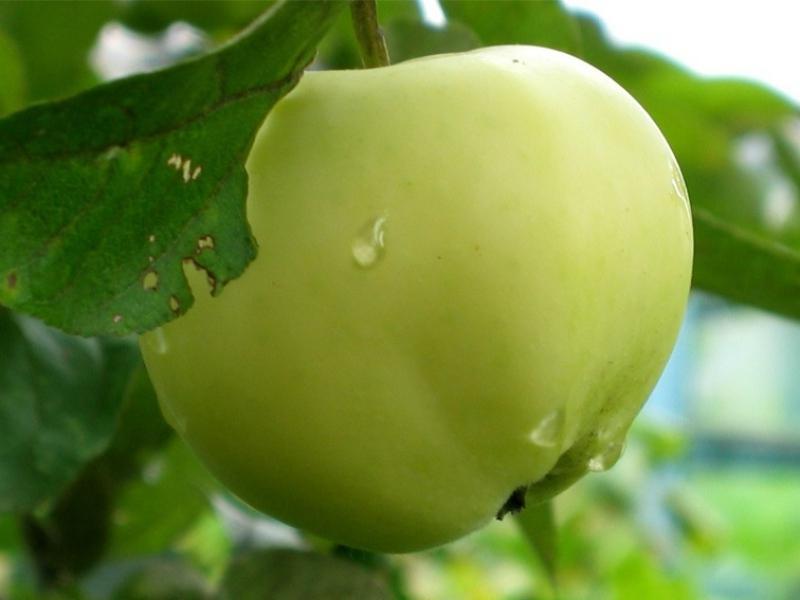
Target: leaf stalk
(368, 33)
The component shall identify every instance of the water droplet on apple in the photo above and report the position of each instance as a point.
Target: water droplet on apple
(369, 245)
(607, 458)
(548, 432)
(678, 184)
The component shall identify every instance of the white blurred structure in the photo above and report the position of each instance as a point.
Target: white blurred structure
(755, 40)
(120, 51)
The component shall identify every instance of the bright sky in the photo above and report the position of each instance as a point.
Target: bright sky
(756, 39)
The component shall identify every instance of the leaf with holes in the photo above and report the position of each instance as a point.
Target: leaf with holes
(105, 196)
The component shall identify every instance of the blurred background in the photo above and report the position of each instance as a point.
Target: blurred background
(705, 501)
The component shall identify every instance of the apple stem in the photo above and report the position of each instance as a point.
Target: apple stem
(368, 33)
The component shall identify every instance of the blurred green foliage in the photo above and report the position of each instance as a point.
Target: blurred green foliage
(61, 398)
(54, 39)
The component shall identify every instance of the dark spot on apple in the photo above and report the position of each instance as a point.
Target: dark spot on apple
(12, 280)
(515, 502)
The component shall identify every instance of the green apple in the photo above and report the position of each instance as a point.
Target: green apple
(472, 270)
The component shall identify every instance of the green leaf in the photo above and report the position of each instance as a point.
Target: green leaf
(105, 195)
(61, 397)
(212, 15)
(70, 537)
(742, 251)
(10, 540)
(640, 576)
(154, 509)
(164, 579)
(296, 575)
(129, 500)
(54, 38)
(542, 23)
(538, 525)
(160, 488)
(142, 430)
(734, 262)
(12, 90)
(83, 522)
(409, 38)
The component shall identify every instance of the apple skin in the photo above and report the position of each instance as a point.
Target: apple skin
(472, 270)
